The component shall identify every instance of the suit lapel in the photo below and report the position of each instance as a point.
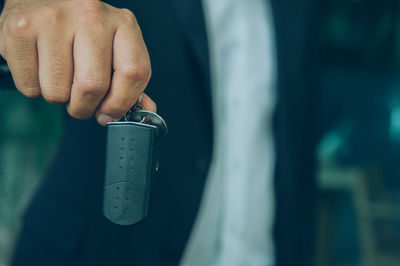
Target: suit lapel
(190, 17)
(297, 46)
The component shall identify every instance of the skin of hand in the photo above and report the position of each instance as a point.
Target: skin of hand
(83, 53)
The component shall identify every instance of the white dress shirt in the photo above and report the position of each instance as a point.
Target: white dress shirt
(234, 223)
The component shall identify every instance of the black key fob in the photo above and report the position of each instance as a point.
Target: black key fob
(130, 164)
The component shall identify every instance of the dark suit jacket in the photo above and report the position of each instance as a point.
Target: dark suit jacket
(64, 223)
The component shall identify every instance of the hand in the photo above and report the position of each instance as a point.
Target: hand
(84, 53)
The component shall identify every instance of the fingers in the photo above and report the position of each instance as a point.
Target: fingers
(56, 65)
(22, 58)
(148, 104)
(132, 72)
(66, 51)
(92, 71)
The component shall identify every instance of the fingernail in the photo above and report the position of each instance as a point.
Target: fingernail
(104, 119)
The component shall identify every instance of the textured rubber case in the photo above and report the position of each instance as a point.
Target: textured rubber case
(130, 163)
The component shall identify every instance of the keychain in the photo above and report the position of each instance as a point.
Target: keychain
(130, 163)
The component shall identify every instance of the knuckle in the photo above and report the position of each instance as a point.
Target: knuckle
(128, 15)
(51, 15)
(55, 95)
(117, 110)
(92, 87)
(92, 5)
(77, 114)
(30, 92)
(138, 72)
(17, 26)
(114, 110)
(92, 10)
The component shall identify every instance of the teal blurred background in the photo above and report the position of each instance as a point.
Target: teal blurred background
(359, 152)
(358, 221)
(29, 131)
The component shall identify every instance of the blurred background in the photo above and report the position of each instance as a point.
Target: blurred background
(358, 221)
(359, 152)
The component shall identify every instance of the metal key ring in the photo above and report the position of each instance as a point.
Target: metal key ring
(151, 118)
(138, 103)
(135, 107)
